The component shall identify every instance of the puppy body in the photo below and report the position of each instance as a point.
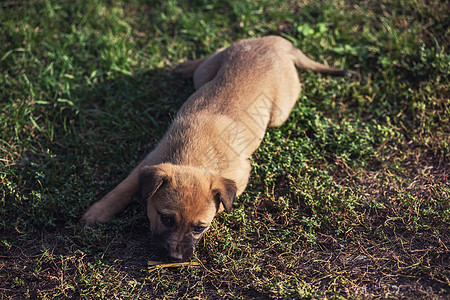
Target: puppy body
(202, 162)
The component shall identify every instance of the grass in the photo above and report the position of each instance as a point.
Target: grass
(348, 199)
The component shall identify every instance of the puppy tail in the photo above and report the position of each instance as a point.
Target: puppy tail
(188, 68)
(304, 62)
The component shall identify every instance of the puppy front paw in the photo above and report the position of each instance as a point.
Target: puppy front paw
(95, 215)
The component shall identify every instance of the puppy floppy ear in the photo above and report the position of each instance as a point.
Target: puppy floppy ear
(225, 191)
(151, 178)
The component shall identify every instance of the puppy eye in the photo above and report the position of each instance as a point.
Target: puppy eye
(199, 229)
(166, 220)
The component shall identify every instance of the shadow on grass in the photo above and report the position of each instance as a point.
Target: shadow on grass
(99, 135)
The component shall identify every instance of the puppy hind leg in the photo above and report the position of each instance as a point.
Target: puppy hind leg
(285, 99)
(187, 69)
(280, 115)
(208, 69)
(202, 70)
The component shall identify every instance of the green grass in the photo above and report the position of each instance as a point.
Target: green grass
(348, 199)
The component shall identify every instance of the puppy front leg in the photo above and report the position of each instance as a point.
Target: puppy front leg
(116, 200)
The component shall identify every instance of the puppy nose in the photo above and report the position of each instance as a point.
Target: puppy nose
(177, 257)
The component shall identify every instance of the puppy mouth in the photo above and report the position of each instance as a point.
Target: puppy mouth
(161, 253)
(184, 253)
(163, 250)
(186, 256)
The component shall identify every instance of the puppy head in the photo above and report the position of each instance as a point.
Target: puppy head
(181, 204)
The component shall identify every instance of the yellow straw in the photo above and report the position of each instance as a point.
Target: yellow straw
(154, 265)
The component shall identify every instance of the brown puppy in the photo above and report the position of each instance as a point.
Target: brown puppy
(201, 164)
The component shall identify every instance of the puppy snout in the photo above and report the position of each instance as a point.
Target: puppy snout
(180, 253)
(176, 257)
